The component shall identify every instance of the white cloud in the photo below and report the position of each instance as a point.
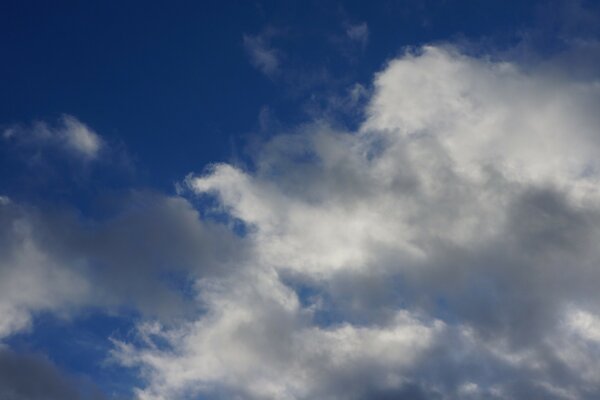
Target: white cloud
(69, 135)
(585, 324)
(468, 195)
(528, 125)
(431, 253)
(256, 341)
(79, 137)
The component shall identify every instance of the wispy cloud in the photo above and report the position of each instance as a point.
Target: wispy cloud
(262, 55)
(68, 134)
(358, 33)
(79, 138)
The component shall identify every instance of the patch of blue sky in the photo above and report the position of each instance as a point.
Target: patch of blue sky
(79, 346)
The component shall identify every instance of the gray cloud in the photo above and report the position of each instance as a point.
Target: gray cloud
(143, 255)
(31, 377)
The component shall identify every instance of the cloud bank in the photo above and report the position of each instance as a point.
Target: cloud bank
(444, 250)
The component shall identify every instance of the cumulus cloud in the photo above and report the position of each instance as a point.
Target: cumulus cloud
(444, 250)
(141, 256)
(257, 341)
(68, 134)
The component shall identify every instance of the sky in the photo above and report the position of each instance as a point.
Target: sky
(299, 200)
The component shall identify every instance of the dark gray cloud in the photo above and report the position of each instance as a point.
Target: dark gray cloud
(145, 254)
(32, 377)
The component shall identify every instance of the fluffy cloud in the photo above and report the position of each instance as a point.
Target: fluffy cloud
(258, 342)
(523, 123)
(446, 249)
(141, 256)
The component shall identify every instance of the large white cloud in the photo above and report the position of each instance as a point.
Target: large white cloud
(524, 123)
(446, 249)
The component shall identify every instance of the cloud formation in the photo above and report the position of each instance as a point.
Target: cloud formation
(30, 377)
(69, 135)
(31, 279)
(56, 261)
(444, 250)
(262, 56)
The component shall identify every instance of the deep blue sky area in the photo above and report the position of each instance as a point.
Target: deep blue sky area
(171, 82)
(172, 87)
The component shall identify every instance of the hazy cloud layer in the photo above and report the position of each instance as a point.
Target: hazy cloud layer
(445, 250)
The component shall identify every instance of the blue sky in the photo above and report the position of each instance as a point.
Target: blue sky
(174, 85)
(299, 200)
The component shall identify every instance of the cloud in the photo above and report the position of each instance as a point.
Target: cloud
(585, 324)
(257, 341)
(79, 138)
(358, 33)
(446, 249)
(31, 280)
(262, 56)
(31, 377)
(69, 135)
(141, 256)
